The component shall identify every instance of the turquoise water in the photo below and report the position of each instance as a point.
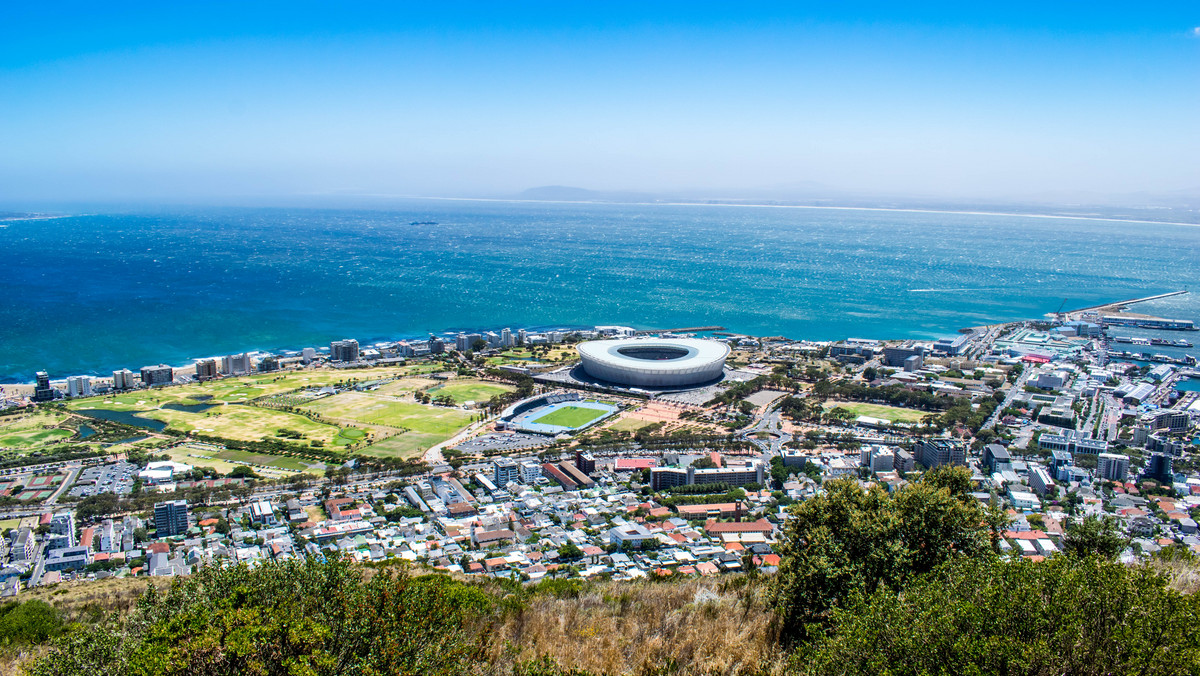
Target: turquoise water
(1188, 385)
(125, 417)
(92, 293)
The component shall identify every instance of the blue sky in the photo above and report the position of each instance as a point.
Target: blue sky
(221, 100)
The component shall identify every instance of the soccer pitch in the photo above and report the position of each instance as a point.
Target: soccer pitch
(571, 416)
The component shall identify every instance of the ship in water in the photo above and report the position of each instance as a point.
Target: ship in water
(1159, 342)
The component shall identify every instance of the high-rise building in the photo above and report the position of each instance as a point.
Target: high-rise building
(436, 345)
(936, 452)
(206, 369)
(492, 338)
(506, 337)
(1112, 467)
(1160, 467)
(123, 380)
(171, 518)
(522, 336)
(236, 363)
(308, 354)
(269, 363)
(460, 342)
(344, 350)
(584, 462)
(157, 375)
(79, 386)
(42, 391)
(506, 470)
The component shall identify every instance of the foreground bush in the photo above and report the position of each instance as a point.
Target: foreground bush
(850, 541)
(1067, 615)
(301, 618)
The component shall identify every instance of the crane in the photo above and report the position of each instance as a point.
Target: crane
(1058, 313)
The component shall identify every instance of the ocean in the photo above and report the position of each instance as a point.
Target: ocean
(93, 292)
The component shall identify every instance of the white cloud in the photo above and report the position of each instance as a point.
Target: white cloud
(1196, 32)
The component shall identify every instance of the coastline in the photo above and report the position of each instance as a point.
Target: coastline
(192, 361)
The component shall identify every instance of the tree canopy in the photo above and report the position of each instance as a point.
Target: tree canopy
(850, 540)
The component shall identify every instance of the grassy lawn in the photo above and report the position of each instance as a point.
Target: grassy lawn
(893, 413)
(404, 445)
(225, 460)
(26, 431)
(378, 411)
(247, 423)
(470, 389)
(570, 416)
(400, 387)
(629, 425)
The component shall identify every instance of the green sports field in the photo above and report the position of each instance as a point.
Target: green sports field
(469, 389)
(570, 416)
(892, 413)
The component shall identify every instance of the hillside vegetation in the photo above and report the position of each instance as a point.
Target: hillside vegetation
(908, 583)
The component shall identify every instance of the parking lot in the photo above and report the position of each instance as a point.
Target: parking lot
(502, 442)
(114, 478)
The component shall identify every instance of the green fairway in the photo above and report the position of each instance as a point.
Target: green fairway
(570, 416)
(30, 431)
(892, 413)
(391, 413)
(470, 389)
(225, 460)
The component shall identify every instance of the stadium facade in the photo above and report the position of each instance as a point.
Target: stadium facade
(654, 362)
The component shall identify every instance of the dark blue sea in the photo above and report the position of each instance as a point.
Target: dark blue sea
(98, 291)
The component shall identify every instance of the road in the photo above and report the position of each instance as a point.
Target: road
(1017, 388)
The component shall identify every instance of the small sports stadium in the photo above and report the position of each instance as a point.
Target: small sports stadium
(556, 413)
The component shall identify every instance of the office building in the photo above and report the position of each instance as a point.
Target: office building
(79, 386)
(157, 375)
(1112, 467)
(1040, 481)
(952, 346)
(206, 369)
(171, 518)
(895, 356)
(1072, 441)
(937, 452)
(344, 350)
(42, 391)
(123, 380)
(1160, 467)
(1060, 461)
(751, 472)
(506, 470)
(996, 458)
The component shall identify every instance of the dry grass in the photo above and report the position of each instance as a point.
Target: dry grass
(79, 602)
(698, 627)
(1183, 573)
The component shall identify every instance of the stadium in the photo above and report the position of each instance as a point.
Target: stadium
(556, 413)
(654, 362)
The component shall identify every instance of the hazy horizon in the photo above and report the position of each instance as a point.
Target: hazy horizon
(291, 101)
